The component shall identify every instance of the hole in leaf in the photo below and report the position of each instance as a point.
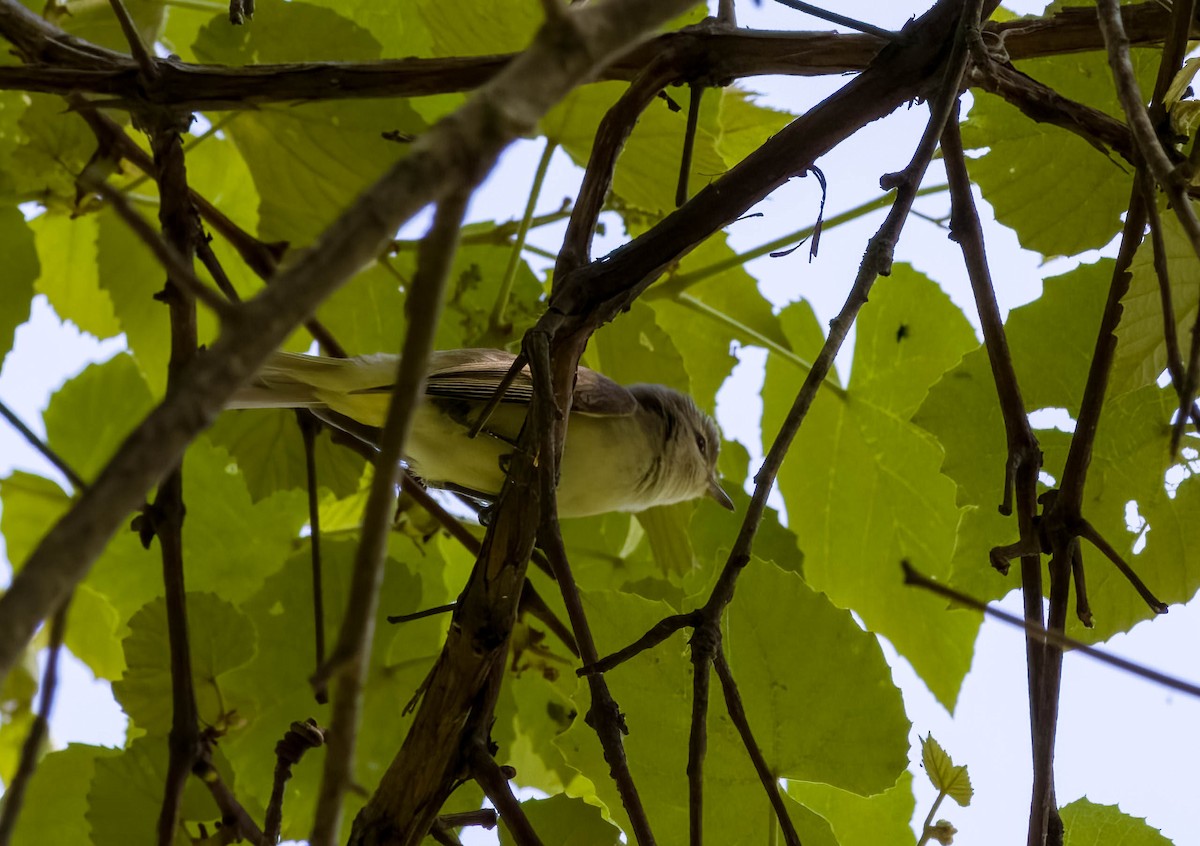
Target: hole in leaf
(1052, 418)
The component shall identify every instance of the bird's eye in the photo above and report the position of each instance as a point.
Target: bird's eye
(701, 444)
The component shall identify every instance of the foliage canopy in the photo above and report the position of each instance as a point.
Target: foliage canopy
(905, 462)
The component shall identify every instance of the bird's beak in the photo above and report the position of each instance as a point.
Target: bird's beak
(715, 491)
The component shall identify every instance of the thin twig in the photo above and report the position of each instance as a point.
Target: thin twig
(165, 516)
(494, 781)
(42, 447)
(1050, 636)
(1024, 457)
(299, 739)
(1173, 182)
(31, 749)
(737, 714)
(1061, 516)
(659, 632)
(1089, 532)
(420, 615)
(351, 656)
(841, 20)
(234, 816)
(604, 716)
(66, 64)
(309, 426)
(137, 48)
(212, 264)
(727, 12)
(496, 322)
(611, 135)
(169, 257)
(695, 98)
(705, 644)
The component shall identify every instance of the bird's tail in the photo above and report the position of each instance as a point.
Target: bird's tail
(290, 380)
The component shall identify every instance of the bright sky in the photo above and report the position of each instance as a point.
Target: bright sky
(1121, 740)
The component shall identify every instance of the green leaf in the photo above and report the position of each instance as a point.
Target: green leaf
(862, 483)
(269, 451)
(56, 804)
(1089, 824)
(220, 639)
(1059, 327)
(90, 415)
(277, 676)
(884, 819)
(131, 276)
(16, 714)
(97, 23)
(563, 821)
(308, 161)
(853, 734)
(1129, 463)
(636, 349)
(31, 506)
(20, 270)
(53, 146)
(647, 172)
(1059, 194)
(1129, 460)
(953, 781)
(473, 28)
(478, 269)
(67, 252)
(1141, 350)
(93, 633)
(230, 544)
(366, 314)
(127, 792)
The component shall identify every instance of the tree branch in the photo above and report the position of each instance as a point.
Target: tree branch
(351, 656)
(31, 749)
(1174, 182)
(63, 64)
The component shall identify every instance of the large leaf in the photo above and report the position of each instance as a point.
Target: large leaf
(20, 271)
(648, 169)
(220, 639)
(862, 484)
(1129, 460)
(269, 450)
(1059, 194)
(1086, 823)
(276, 679)
(881, 820)
(561, 821)
(69, 279)
(127, 792)
(308, 161)
(817, 693)
(1142, 350)
(56, 804)
(91, 414)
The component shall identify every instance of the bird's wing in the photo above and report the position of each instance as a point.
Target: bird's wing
(475, 375)
(471, 374)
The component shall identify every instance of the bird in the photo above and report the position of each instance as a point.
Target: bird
(627, 448)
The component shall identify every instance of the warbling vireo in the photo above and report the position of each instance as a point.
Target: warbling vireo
(627, 448)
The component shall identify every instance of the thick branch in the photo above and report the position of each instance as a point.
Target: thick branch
(64, 64)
